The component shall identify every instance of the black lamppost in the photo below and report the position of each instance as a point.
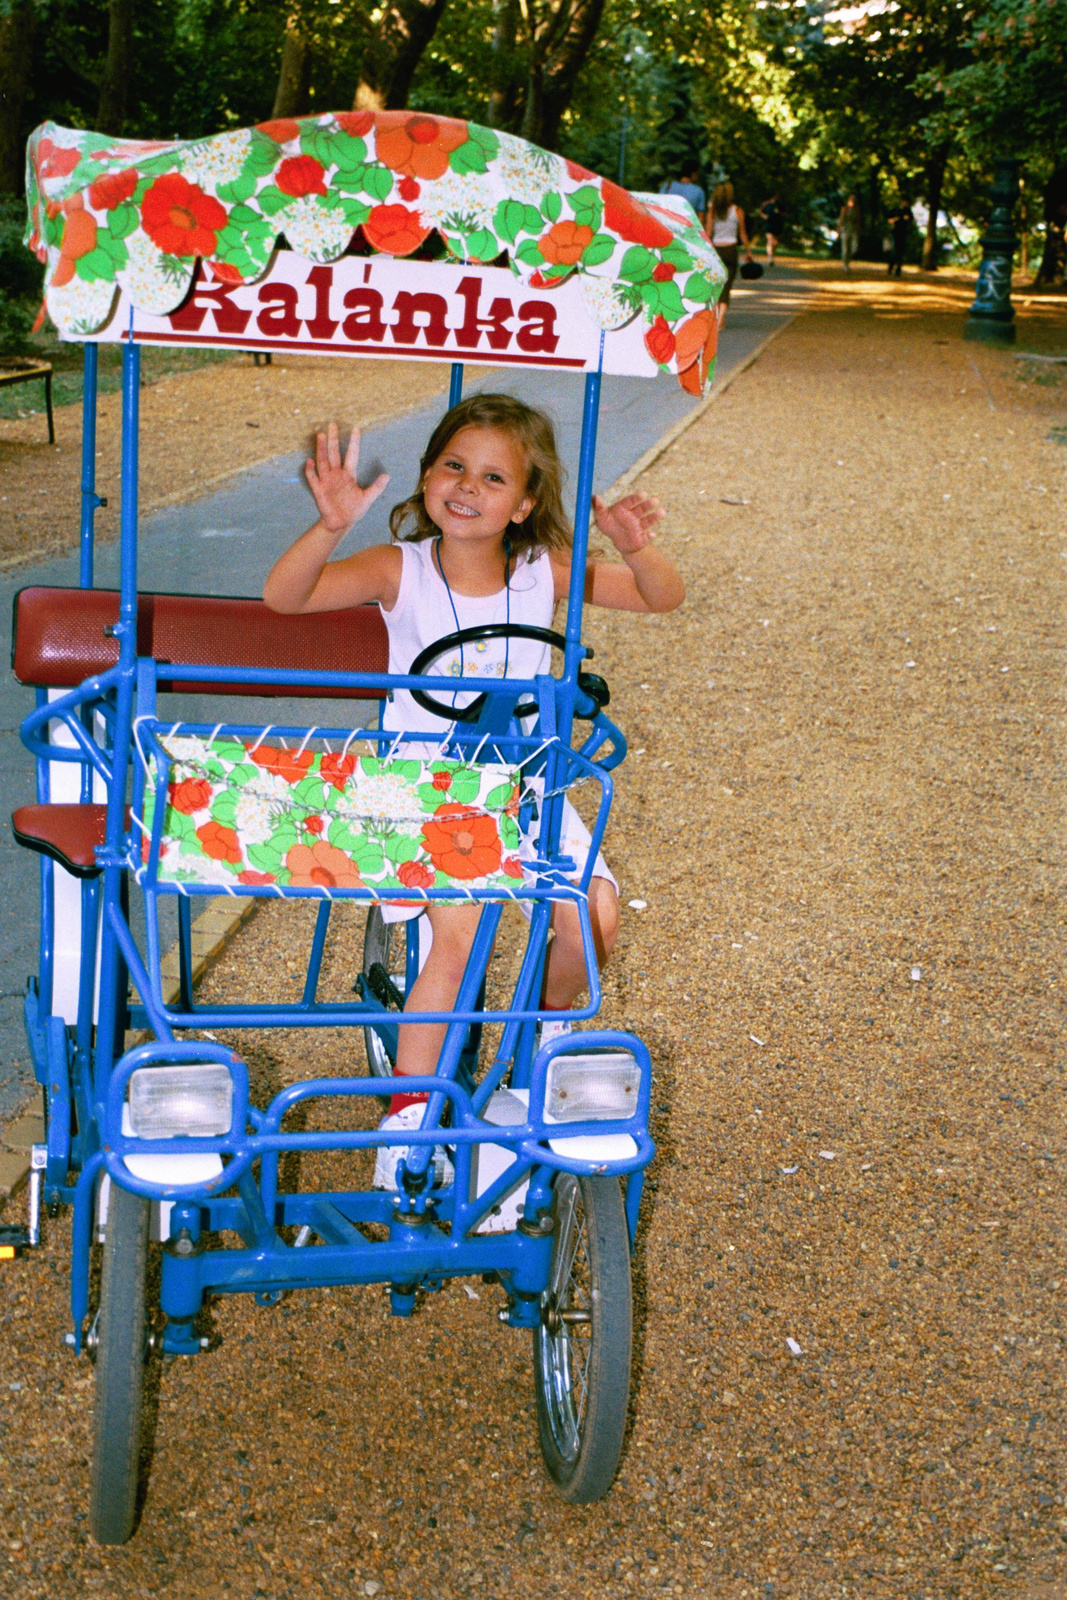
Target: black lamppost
(992, 316)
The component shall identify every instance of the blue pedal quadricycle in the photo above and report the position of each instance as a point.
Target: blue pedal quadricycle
(528, 1166)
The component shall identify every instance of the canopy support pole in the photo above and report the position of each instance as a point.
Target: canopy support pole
(90, 498)
(114, 979)
(567, 693)
(582, 508)
(455, 385)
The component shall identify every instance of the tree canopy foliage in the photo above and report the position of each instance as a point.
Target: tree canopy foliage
(895, 99)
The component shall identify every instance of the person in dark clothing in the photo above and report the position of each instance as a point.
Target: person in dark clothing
(899, 223)
(773, 219)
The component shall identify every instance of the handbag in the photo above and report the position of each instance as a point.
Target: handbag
(751, 270)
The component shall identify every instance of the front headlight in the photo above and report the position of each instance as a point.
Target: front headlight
(592, 1088)
(194, 1102)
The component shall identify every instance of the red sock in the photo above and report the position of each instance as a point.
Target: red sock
(399, 1101)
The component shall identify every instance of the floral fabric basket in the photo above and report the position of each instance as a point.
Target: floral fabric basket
(255, 815)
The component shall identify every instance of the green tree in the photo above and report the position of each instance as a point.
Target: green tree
(873, 87)
(515, 64)
(18, 28)
(1010, 98)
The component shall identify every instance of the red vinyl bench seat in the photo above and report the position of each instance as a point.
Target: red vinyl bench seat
(59, 639)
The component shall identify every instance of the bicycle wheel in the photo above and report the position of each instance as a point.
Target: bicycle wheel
(582, 1347)
(120, 1370)
(385, 946)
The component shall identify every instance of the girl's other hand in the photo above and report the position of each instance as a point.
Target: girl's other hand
(630, 523)
(340, 499)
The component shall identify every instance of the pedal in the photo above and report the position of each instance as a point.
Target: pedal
(383, 988)
(14, 1240)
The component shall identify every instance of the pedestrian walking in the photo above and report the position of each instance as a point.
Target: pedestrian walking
(726, 227)
(773, 218)
(848, 230)
(688, 186)
(900, 222)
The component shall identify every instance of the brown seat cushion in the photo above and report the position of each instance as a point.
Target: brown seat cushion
(58, 639)
(70, 834)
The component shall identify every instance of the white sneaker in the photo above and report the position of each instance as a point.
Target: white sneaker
(391, 1155)
(553, 1028)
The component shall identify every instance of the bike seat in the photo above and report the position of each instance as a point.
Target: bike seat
(70, 834)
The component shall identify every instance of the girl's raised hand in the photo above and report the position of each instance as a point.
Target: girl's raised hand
(340, 499)
(630, 523)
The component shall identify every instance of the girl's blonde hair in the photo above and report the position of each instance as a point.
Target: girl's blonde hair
(722, 198)
(546, 527)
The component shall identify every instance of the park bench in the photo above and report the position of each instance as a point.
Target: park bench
(16, 369)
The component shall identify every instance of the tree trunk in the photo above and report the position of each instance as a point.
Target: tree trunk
(393, 53)
(17, 27)
(935, 179)
(115, 84)
(294, 77)
(561, 37)
(874, 217)
(1054, 255)
(502, 95)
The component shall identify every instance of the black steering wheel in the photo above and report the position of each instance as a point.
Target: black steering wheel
(592, 685)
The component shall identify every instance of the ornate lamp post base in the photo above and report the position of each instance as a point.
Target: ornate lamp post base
(992, 316)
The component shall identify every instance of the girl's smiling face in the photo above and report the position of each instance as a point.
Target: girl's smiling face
(478, 485)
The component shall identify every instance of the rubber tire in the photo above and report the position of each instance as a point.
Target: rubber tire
(587, 1475)
(120, 1370)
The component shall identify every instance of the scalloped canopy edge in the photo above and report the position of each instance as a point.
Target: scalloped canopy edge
(138, 214)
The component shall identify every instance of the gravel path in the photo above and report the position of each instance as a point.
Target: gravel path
(842, 812)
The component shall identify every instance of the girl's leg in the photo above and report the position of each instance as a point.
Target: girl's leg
(436, 986)
(565, 976)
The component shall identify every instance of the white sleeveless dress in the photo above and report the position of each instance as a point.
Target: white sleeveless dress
(424, 613)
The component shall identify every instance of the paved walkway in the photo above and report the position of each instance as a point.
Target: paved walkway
(225, 542)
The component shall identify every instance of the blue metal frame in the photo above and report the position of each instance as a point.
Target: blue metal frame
(431, 1233)
(90, 500)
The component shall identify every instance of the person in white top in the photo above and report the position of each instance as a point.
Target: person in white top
(489, 541)
(726, 227)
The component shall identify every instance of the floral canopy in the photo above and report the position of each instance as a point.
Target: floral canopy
(108, 213)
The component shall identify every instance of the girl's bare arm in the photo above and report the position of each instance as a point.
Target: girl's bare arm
(304, 579)
(649, 580)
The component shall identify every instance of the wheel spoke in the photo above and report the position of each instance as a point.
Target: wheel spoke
(561, 1264)
(566, 1276)
(580, 1368)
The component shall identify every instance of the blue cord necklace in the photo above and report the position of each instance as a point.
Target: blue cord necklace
(455, 613)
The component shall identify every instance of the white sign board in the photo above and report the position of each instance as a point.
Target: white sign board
(379, 306)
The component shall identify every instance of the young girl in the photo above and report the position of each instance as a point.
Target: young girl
(488, 542)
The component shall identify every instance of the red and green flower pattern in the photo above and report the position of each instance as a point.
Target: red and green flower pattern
(106, 212)
(260, 817)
